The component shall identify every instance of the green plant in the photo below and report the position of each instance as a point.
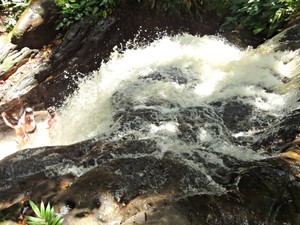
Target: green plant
(12, 10)
(261, 16)
(219, 7)
(174, 7)
(75, 10)
(45, 216)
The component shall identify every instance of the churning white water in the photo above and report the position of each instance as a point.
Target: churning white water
(196, 71)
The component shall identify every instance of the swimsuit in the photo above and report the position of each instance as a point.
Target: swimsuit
(31, 131)
(29, 122)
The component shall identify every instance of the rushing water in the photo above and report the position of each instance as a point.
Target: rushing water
(167, 76)
(204, 101)
(176, 73)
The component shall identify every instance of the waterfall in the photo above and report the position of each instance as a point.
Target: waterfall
(197, 97)
(169, 75)
(195, 112)
(176, 73)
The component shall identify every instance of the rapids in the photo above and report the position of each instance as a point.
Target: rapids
(182, 109)
(171, 75)
(168, 76)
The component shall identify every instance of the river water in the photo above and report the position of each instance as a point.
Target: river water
(168, 76)
(187, 93)
(180, 73)
(204, 101)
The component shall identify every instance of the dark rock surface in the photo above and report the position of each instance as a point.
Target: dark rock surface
(289, 39)
(281, 135)
(149, 189)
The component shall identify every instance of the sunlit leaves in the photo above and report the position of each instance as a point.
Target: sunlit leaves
(267, 17)
(76, 10)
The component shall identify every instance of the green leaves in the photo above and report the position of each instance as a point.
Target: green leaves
(12, 10)
(267, 17)
(75, 10)
(45, 216)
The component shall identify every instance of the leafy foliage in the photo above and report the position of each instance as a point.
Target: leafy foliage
(261, 16)
(265, 17)
(12, 10)
(75, 10)
(174, 7)
(45, 216)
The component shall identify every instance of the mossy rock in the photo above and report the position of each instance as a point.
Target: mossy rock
(36, 25)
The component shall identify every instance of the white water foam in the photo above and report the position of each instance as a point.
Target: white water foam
(223, 71)
(217, 70)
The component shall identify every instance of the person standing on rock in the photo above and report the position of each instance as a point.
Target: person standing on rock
(52, 116)
(26, 124)
(22, 136)
(27, 120)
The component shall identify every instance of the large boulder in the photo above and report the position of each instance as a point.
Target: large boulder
(36, 26)
(93, 182)
(288, 39)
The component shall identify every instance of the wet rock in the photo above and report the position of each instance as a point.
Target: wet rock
(295, 193)
(8, 48)
(42, 82)
(79, 47)
(187, 122)
(87, 191)
(255, 197)
(280, 137)
(13, 212)
(243, 38)
(194, 119)
(102, 152)
(36, 25)
(136, 119)
(236, 116)
(286, 40)
(292, 86)
(170, 75)
(155, 210)
(272, 184)
(27, 162)
(12, 61)
(132, 182)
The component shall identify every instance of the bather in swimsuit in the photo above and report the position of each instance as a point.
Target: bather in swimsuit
(31, 131)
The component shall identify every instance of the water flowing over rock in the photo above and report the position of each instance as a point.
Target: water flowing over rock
(181, 130)
(160, 191)
(39, 78)
(286, 40)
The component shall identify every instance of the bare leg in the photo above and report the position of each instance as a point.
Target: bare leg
(22, 140)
